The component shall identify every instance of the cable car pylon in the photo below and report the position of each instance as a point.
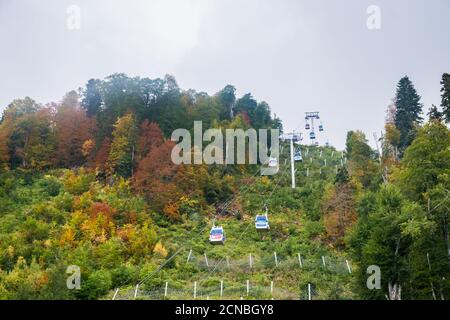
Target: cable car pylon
(310, 117)
(292, 163)
(291, 137)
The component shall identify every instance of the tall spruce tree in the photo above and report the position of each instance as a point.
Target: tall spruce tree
(445, 96)
(408, 113)
(434, 113)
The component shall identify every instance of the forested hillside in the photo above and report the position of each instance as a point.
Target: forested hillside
(89, 181)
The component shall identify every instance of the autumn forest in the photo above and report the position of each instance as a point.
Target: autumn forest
(88, 181)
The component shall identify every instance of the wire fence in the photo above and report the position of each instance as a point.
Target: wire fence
(245, 291)
(214, 288)
(274, 261)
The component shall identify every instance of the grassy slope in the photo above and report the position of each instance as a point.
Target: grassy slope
(296, 227)
(292, 232)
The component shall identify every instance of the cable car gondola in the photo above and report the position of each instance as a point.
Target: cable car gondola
(312, 135)
(307, 126)
(262, 222)
(217, 235)
(298, 156)
(296, 137)
(320, 127)
(273, 162)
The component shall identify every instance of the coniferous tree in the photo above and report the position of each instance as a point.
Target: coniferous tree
(434, 113)
(445, 96)
(409, 109)
(342, 176)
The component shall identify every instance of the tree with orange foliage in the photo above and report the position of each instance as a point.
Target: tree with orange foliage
(4, 151)
(73, 129)
(101, 157)
(171, 211)
(340, 212)
(102, 208)
(150, 136)
(155, 177)
(100, 226)
(87, 148)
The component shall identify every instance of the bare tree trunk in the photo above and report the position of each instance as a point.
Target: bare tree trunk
(442, 294)
(25, 147)
(132, 162)
(395, 291)
(397, 247)
(431, 282)
(447, 241)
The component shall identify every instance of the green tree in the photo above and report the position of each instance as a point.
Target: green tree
(92, 99)
(208, 109)
(445, 96)
(246, 106)
(361, 166)
(261, 117)
(227, 99)
(97, 284)
(121, 154)
(384, 237)
(342, 176)
(434, 113)
(425, 173)
(20, 107)
(32, 140)
(408, 111)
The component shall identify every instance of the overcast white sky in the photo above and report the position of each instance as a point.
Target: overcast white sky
(297, 55)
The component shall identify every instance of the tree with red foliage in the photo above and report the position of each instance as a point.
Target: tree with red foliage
(155, 176)
(101, 157)
(246, 118)
(104, 209)
(150, 136)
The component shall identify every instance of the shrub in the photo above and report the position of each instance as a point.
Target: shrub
(97, 284)
(77, 184)
(50, 185)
